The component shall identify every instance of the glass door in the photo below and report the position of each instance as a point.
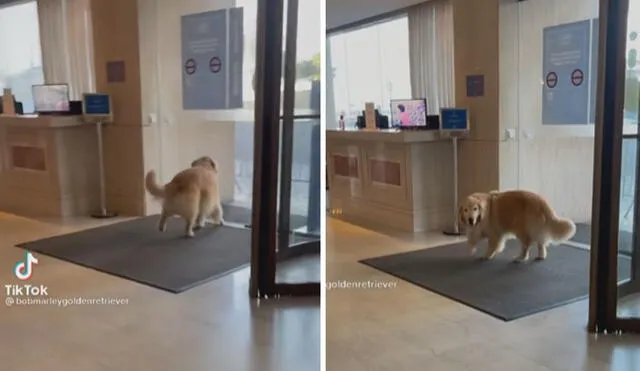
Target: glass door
(286, 166)
(615, 264)
(628, 221)
(299, 193)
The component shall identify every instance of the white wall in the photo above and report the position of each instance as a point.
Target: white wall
(556, 161)
(177, 136)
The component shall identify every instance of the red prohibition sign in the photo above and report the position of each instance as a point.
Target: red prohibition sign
(577, 77)
(215, 64)
(190, 66)
(552, 80)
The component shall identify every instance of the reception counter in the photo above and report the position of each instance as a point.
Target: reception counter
(48, 166)
(391, 179)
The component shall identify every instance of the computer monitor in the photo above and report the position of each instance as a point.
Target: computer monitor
(53, 98)
(409, 113)
(97, 107)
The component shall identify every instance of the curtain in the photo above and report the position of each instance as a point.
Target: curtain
(67, 44)
(431, 54)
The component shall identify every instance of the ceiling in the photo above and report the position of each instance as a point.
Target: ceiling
(7, 2)
(345, 12)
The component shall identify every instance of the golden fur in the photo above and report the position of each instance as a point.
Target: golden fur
(525, 215)
(192, 194)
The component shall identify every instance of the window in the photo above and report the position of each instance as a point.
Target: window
(21, 57)
(370, 64)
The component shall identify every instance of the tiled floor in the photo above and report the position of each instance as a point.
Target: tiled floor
(212, 327)
(408, 328)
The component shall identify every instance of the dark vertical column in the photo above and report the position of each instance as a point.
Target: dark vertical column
(313, 213)
(608, 149)
(288, 108)
(266, 142)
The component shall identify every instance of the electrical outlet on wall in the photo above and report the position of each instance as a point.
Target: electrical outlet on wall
(510, 133)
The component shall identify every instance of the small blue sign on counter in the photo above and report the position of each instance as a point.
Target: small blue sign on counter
(97, 105)
(454, 119)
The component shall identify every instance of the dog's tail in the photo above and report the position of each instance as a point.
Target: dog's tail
(152, 186)
(560, 229)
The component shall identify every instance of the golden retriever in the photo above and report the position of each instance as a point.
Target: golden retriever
(525, 215)
(192, 194)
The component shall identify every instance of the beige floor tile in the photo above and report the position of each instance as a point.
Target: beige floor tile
(214, 326)
(409, 328)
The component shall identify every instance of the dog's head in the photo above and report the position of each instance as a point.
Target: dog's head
(205, 161)
(472, 210)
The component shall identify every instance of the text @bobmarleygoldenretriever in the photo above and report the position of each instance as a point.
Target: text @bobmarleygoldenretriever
(345, 284)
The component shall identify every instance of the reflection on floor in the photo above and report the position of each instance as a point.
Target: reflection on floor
(212, 327)
(408, 328)
(301, 269)
(629, 307)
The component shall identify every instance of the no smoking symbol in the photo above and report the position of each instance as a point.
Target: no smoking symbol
(215, 64)
(190, 66)
(552, 80)
(577, 77)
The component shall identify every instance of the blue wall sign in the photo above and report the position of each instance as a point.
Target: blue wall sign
(593, 76)
(212, 56)
(97, 105)
(566, 59)
(454, 119)
(475, 86)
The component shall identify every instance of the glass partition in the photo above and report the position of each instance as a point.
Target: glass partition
(299, 196)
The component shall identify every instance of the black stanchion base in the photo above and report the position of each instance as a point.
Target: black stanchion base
(451, 232)
(104, 215)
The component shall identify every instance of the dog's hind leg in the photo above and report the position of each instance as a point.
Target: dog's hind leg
(162, 223)
(190, 226)
(191, 219)
(200, 221)
(525, 242)
(542, 250)
(217, 215)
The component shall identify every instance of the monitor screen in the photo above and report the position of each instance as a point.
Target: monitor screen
(51, 98)
(96, 104)
(408, 112)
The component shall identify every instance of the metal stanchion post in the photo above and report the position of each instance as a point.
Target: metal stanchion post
(103, 213)
(455, 230)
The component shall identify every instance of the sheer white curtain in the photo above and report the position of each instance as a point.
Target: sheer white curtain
(67, 44)
(431, 54)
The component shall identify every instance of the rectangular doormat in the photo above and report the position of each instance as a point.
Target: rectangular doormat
(500, 288)
(137, 251)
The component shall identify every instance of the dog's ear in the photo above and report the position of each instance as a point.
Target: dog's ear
(212, 163)
(205, 161)
(196, 162)
(460, 216)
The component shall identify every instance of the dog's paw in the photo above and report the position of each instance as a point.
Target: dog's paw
(473, 251)
(541, 258)
(521, 260)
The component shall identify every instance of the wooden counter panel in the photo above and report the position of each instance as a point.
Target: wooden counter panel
(345, 169)
(28, 158)
(385, 172)
(346, 166)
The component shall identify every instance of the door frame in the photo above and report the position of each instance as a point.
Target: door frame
(603, 292)
(286, 250)
(264, 236)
